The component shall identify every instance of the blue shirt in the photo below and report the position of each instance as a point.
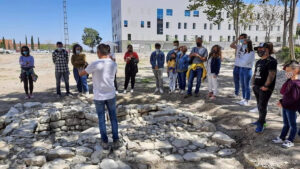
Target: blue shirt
(202, 51)
(182, 62)
(157, 59)
(169, 54)
(26, 61)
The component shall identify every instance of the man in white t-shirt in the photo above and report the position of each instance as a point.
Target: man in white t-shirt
(103, 71)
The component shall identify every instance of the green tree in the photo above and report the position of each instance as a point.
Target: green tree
(39, 44)
(32, 43)
(3, 43)
(91, 38)
(236, 10)
(14, 44)
(26, 40)
(20, 45)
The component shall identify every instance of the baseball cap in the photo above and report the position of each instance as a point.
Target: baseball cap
(262, 45)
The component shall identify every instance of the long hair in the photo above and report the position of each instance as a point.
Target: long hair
(74, 48)
(23, 48)
(250, 46)
(218, 54)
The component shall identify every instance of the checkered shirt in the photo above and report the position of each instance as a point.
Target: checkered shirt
(61, 60)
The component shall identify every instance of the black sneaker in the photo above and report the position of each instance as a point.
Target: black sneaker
(117, 144)
(197, 95)
(104, 145)
(187, 96)
(69, 94)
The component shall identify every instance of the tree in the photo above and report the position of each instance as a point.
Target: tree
(3, 43)
(270, 17)
(20, 45)
(26, 40)
(293, 6)
(32, 43)
(237, 11)
(285, 22)
(91, 38)
(14, 44)
(39, 44)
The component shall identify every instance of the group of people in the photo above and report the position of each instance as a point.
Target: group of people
(181, 68)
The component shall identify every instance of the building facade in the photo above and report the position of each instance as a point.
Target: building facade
(143, 23)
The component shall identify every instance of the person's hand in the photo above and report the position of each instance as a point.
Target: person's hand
(156, 67)
(27, 63)
(279, 104)
(215, 76)
(264, 88)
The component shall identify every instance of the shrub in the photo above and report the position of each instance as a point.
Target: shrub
(283, 55)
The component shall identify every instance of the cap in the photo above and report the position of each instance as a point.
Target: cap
(262, 45)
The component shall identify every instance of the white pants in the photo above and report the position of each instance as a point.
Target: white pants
(212, 83)
(172, 80)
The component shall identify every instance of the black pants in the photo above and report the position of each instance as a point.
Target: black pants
(58, 76)
(129, 76)
(28, 81)
(116, 84)
(262, 98)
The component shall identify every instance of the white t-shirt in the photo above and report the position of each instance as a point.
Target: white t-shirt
(103, 71)
(239, 53)
(247, 60)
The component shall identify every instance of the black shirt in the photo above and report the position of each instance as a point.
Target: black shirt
(262, 68)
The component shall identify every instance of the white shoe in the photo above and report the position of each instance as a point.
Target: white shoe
(125, 91)
(87, 94)
(182, 92)
(161, 91)
(131, 91)
(288, 144)
(278, 140)
(241, 102)
(245, 103)
(117, 92)
(255, 110)
(156, 90)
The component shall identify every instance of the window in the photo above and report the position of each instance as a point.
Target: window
(167, 37)
(148, 24)
(257, 27)
(176, 37)
(187, 13)
(229, 27)
(233, 38)
(179, 25)
(169, 12)
(258, 16)
(219, 26)
(210, 38)
(250, 27)
(194, 25)
(245, 27)
(249, 37)
(278, 28)
(167, 25)
(196, 13)
(228, 38)
(184, 38)
(271, 28)
(185, 25)
(125, 23)
(196, 36)
(256, 39)
(278, 39)
(129, 36)
(221, 38)
(282, 17)
(160, 21)
(211, 26)
(202, 37)
(205, 26)
(227, 15)
(142, 24)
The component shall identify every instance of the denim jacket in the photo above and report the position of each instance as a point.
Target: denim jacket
(182, 62)
(157, 59)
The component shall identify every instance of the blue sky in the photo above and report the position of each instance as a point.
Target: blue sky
(44, 19)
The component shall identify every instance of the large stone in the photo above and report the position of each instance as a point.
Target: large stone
(226, 152)
(27, 127)
(56, 164)
(60, 153)
(84, 151)
(174, 158)
(147, 158)
(32, 104)
(44, 119)
(162, 145)
(92, 117)
(108, 164)
(35, 161)
(180, 143)
(197, 156)
(86, 166)
(72, 122)
(222, 138)
(57, 124)
(4, 150)
(55, 115)
(2, 123)
(43, 127)
(8, 129)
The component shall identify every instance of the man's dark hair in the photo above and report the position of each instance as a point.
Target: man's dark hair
(59, 43)
(74, 48)
(176, 41)
(244, 35)
(103, 49)
(23, 48)
(157, 45)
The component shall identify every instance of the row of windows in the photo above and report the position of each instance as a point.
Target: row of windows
(187, 13)
(185, 26)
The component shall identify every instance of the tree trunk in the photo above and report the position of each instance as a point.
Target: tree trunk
(291, 28)
(285, 24)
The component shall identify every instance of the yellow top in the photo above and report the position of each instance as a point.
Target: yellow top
(194, 67)
(171, 64)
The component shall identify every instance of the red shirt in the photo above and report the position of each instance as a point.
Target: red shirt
(131, 54)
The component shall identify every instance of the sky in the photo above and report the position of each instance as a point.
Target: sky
(44, 19)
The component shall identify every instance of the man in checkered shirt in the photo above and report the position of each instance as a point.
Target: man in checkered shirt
(61, 59)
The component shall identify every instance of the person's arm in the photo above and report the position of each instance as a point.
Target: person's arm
(54, 57)
(250, 59)
(88, 70)
(152, 61)
(32, 61)
(233, 45)
(163, 58)
(218, 65)
(83, 73)
(73, 60)
(271, 77)
(137, 56)
(192, 52)
(204, 57)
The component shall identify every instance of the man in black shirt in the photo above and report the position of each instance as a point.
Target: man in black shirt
(264, 80)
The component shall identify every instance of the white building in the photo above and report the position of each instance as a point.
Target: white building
(144, 22)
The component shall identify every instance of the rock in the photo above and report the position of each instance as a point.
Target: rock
(32, 105)
(56, 164)
(84, 151)
(72, 122)
(162, 145)
(222, 138)
(6, 166)
(44, 119)
(27, 127)
(174, 158)
(147, 145)
(122, 165)
(60, 153)
(147, 157)
(226, 152)
(108, 164)
(97, 156)
(2, 123)
(178, 143)
(92, 117)
(197, 156)
(4, 150)
(8, 129)
(55, 115)
(86, 166)
(35, 161)
(43, 127)
(57, 124)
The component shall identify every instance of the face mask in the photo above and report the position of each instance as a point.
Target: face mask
(25, 53)
(245, 46)
(242, 41)
(261, 53)
(129, 50)
(289, 75)
(199, 44)
(157, 50)
(59, 49)
(78, 52)
(175, 47)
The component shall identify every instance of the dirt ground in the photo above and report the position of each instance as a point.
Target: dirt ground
(253, 150)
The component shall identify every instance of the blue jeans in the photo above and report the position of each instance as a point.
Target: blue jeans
(182, 80)
(195, 73)
(236, 78)
(289, 122)
(245, 78)
(100, 109)
(80, 81)
(58, 76)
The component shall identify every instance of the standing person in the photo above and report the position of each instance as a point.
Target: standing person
(176, 50)
(246, 62)
(60, 58)
(264, 80)
(290, 105)
(197, 69)
(213, 70)
(182, 62)
(157, 60)
(172, 71)
(113, 57)
(78, 61)
(103, 72)
(236, 70)
(26, 62)
(131, 58)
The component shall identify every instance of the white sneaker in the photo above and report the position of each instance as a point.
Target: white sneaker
(255, 110)
(156, 90)
(288, 144)
(117, 92)
(125, 91)
(182, 92)
(245, 103)
(241, 102)
(278, 140)
(161, 91)
(87, 94)
(131, 91)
